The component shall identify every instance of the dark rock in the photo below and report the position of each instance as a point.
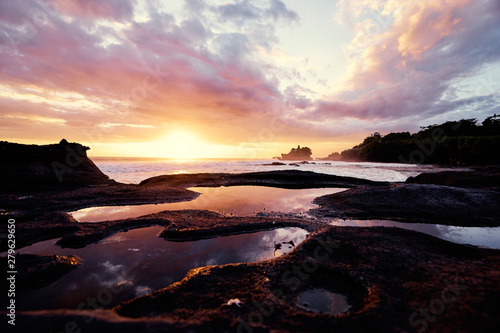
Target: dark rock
(297, 154)
(415, 203)
(387, 274)
(284, 179)
(63, 165)
(116, 194)
(481, 177)
(275, 163)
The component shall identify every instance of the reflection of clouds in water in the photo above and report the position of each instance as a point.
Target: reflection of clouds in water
(117, 238)
(158, 264)
(478, 236)
(295, 234)
(142, 290)
(487, 237)
(133, 250)
(112, 275)
(211, 262)
(450, 232)
(242, 200)
(108, 211)
(297, 201)
(248, 247)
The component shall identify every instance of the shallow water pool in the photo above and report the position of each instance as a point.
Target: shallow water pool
(247, 200)
(323, 301)
(478, 236)
(238, 200)
(130, 264)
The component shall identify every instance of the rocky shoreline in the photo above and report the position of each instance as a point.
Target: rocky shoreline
(415, 203)
(388, 274)
(393, 279)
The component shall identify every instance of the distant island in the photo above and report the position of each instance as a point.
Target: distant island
(297, 154)
(454, 142)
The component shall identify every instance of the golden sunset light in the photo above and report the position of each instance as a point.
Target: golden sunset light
(250, 165)
(328, 70)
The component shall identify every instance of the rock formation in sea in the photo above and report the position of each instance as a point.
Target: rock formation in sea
(62, 165)
(297, 154)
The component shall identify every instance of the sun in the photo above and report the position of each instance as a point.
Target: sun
(182, 144)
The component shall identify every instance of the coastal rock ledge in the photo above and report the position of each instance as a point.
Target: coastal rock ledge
(62, 165)
(420, 203)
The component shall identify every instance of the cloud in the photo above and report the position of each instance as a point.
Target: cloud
(407, 70)
(110, 9)
(99, 60)
(278, 10)
(78, 66)
(246, 10)
(142, 290)
(241, 10)
(111, 275)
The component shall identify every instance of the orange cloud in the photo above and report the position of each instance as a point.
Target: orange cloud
(89, 72)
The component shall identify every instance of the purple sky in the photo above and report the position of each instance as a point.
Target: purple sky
(241, 78)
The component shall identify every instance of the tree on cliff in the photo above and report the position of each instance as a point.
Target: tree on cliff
(456, 142)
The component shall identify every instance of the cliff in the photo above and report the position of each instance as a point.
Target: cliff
(462, 142)
(55, 166)
(332, 157)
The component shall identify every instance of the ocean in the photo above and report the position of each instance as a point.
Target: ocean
(134, 170)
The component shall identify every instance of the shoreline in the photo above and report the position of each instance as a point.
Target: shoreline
(388, 273)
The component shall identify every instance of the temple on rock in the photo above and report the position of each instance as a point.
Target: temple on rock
(297, 154)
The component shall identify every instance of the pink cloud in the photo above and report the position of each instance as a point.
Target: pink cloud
(405, 71)
(110, 9)
(204, 71)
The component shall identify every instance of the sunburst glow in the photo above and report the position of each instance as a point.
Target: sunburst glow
(183, 144)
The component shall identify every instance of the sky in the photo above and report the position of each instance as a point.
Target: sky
(241, 79)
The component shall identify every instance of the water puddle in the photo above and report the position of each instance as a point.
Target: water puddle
(249, 200)
(323, 301)
(478, 236)
(238, 200)
(131, 264)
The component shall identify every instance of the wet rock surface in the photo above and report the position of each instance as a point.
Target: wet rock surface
(479, 177)
(415, 203)
(194, 224)
(396, 280)
(293, 179)
(162, 189)
(350, 261)
(33, 203)
(179, 226)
